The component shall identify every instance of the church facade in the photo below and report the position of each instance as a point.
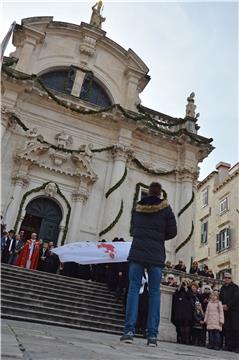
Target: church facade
(78, 147)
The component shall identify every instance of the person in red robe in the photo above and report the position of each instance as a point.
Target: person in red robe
(29, 256)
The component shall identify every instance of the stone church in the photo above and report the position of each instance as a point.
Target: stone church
(78, 147)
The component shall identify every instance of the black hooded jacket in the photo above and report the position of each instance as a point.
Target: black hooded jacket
(153, 223)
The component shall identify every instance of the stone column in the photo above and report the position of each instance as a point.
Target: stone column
(26, 55)
(184, 222)
(167, 331)
(60, 235)
(79, 78)
(131, 94)
(21, 182)
(78, 199)
(121, 154)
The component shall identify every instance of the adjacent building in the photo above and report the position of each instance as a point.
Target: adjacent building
(216, 241)
(79, 148)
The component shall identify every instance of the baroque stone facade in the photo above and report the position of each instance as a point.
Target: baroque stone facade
(216, 241)
(74, 132)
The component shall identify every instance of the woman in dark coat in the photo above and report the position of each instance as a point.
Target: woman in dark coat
(182, 311)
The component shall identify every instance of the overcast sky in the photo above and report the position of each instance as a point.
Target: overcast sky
(188, 46)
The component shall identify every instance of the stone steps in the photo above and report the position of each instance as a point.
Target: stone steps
(93, 301)
(58, 289)
(62, 303)
(59, 280)
(54, 299)
(66, 312)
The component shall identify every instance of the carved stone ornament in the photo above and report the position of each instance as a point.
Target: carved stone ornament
(50, 189)
(58, 157)
(63, 139)
(31, 136)
(88, 153)
(58, 161)
(20, 178)
(122, 152)
(88, 46)
(80, 195)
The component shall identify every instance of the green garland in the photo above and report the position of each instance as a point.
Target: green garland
(187, 205)
(113, 188)
(37, 189)
(135, 200)
(115, 220)
(25, 128)
(152, 172)
(187, 239)
(146, 118)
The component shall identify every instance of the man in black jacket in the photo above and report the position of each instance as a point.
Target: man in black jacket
(229, 296)
(9, 247)
(153, 223)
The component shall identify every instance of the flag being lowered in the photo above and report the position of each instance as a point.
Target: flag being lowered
(94, 252)
(6, 39)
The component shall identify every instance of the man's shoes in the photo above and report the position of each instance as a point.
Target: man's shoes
(127, 338)
(152, 342)
(210, 346)
(236, 350)
(217, 348)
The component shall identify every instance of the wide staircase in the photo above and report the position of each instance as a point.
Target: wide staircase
(35, 296)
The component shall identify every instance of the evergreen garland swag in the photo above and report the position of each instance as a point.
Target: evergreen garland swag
(117, 184)
(145, 117)
(187, 239)
(108, 228)
(37, 189)
(187, 205)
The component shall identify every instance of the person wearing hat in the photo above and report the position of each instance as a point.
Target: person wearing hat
(153, 222)
(229, 296)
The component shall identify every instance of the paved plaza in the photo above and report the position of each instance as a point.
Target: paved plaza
(31, 341)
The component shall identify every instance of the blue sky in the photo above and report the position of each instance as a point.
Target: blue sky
(188, 46)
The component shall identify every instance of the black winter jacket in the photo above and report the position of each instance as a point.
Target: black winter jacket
(182, 307)
(153, 223)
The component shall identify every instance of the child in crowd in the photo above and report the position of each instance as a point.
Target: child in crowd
(197, 328)
(214, 318)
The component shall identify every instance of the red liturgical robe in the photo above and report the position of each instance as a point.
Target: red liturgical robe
(28, 257)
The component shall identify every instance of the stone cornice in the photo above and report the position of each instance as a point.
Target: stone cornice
(228, 179)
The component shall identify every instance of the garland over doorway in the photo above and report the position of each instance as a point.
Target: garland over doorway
(36, 190)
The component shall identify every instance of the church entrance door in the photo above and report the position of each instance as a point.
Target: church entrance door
(43, 216)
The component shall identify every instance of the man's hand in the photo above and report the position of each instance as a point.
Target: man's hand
(225, 307)
(120, 273)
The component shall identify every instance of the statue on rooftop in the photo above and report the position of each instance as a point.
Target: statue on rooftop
(191, 107)
(96, 17)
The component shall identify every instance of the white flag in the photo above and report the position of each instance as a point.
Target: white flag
(94, 252)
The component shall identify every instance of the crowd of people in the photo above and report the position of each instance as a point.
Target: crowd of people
(30, 254)
(198, 309)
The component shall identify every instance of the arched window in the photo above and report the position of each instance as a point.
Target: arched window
(59, 80)
(94, 93)
(91, 91)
